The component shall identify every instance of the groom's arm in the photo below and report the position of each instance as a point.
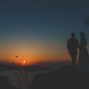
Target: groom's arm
(68, 44)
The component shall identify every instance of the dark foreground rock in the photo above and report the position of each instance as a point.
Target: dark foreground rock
(64, 78)
(4, 83)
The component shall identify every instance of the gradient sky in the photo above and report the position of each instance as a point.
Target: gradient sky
(40, 29)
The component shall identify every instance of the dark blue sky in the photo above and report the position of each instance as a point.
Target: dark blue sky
(36, 22)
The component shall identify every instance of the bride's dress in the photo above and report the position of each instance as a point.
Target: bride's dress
(83, 63)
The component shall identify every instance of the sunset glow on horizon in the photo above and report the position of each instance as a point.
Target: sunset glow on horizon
(36, 51)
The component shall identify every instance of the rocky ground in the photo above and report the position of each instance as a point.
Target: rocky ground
(64, 78)
(4, 83)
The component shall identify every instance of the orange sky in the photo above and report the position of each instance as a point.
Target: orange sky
(38, 52)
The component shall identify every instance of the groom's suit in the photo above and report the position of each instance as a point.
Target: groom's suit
(72, 45)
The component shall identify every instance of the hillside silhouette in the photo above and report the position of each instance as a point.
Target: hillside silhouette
(28, 68)
(64, 78)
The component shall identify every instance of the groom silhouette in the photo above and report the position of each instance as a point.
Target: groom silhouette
(72, 45)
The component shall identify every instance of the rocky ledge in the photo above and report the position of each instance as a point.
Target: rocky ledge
(64, 78)
(4, 83)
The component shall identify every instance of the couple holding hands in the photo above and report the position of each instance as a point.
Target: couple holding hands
(73, 45)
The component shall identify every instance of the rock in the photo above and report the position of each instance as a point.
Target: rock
(64, 78)
(4, 83)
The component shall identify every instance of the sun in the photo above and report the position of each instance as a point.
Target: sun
(24, 61)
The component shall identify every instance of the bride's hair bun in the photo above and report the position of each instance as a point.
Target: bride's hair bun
(82, 34)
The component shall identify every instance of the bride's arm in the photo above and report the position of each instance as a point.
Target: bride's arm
(85, 41)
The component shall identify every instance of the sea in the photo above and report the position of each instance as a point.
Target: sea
(21, 79)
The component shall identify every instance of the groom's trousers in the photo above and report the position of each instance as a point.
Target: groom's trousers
(73, 56)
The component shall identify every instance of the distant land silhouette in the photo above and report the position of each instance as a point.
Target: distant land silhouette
(28, 68)
(64, 78)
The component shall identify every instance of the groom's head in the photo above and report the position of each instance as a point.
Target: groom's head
(72, 35)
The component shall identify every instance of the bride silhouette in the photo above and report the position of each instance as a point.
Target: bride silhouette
(83, 63)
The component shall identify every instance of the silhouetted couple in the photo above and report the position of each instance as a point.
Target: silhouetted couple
(72, 45)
